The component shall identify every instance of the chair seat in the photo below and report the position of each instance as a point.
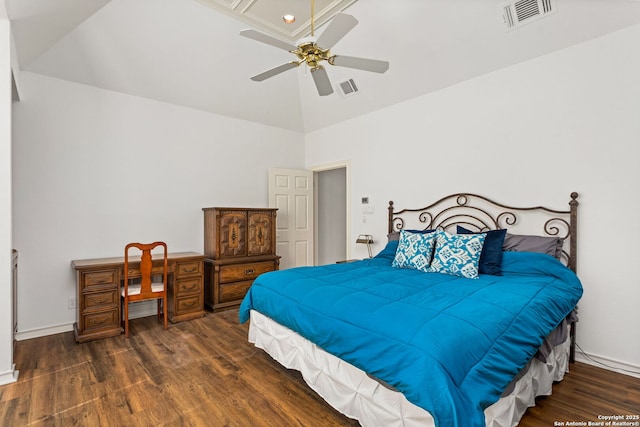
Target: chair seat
(136, 288)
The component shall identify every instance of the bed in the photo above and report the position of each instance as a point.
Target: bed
(465, 316)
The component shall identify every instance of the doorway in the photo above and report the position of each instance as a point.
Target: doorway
(332, 213)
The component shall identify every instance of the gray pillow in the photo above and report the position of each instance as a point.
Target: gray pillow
(543, 244)
(394, 235)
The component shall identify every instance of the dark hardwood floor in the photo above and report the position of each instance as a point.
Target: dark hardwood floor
(204, 373)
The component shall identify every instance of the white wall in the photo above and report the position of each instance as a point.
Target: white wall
(529, 134)
(95, 169)
(7, 373)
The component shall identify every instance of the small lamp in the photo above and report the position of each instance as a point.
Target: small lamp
(366, 239)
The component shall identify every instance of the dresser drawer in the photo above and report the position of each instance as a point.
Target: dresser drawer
(234, 273)
(94, 300)
(188, 286)
(189, 268)
(233, 291)
(92, 322)
(188, 304)
(99, 278)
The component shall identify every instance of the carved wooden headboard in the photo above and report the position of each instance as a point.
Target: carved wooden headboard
(479, 213)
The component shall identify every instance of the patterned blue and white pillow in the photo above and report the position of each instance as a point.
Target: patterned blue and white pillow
(457, 254)
(414, 250)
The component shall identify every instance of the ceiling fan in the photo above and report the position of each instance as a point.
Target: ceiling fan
(313, 50)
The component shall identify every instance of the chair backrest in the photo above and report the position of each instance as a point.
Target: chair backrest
(146, 270)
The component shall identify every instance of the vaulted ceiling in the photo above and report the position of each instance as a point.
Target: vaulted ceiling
(189, 52)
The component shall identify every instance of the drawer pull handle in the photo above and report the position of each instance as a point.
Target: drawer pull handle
(98, 321)
(98, 300)
(190, 288)
(190, 270)
(249, 271)
(188, 305)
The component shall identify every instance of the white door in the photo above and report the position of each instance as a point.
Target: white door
(291, 191)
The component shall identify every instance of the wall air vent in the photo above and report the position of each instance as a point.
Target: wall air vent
(520, 12)
(348, 88)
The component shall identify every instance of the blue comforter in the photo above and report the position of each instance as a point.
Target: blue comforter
(450, 344)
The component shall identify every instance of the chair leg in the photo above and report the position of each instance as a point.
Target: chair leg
(126, 317)
(164, 308)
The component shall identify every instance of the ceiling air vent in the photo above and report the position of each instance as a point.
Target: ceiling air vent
(519, 12)
(348, 88)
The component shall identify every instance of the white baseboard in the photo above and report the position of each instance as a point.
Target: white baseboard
(9, 376)
(608, 364)
(136, 310)
(43, 332)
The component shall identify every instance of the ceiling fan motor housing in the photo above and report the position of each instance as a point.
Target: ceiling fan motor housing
(309, 52)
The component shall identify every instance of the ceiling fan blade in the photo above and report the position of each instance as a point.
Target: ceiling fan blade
(365, 64)
(274, 71)
(264, 38)
(321, 79)
(339, 26)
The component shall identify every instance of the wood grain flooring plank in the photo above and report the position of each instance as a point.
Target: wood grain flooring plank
(203, 372)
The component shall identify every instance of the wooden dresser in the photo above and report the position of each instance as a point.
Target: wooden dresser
(99, 280)
(239, 245)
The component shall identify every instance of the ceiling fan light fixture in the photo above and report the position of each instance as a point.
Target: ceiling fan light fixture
(289, 19)
(312, 51)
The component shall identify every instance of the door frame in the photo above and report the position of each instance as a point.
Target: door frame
(346, 164)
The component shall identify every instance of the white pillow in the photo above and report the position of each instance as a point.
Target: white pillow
(457, 254)
(414, 250)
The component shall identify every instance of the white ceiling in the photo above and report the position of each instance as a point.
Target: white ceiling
(266, 15)
(189, 53)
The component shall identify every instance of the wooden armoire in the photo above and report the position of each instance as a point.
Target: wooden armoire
(239, 245)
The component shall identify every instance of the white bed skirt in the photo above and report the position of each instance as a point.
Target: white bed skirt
(352, 392)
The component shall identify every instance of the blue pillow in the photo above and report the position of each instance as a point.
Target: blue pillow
(389, 251)
(491, 256)
(457, 254)
(414, 251)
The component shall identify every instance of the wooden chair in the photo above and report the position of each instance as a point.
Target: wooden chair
(147, 288)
